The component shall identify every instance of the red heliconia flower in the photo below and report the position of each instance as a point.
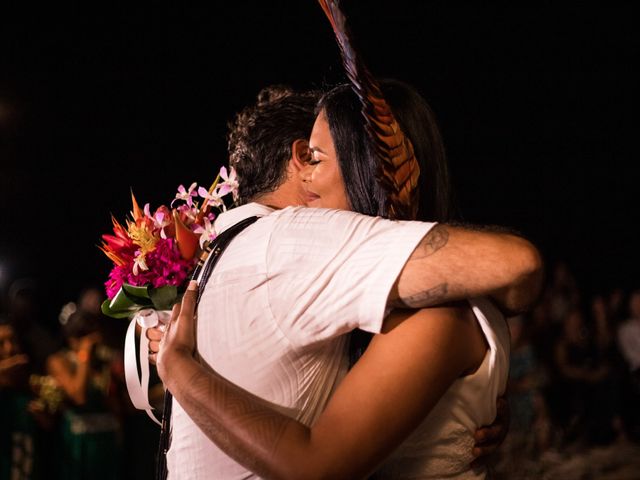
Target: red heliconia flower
(119, 247)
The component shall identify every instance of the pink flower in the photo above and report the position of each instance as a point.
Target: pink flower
(186, 195)
(207, 232)
(187, 214)
(230, 183)
(165, 267)
(117, 277)
(213, 199)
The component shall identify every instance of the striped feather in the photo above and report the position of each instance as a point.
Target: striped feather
(399, 170)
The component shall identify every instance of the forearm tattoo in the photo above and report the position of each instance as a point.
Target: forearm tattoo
(431, 297)
(246, 430)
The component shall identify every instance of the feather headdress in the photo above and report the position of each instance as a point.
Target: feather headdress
(398, 166)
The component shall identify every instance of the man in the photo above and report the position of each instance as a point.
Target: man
(287, 289)
(629, 334)
(629, 341)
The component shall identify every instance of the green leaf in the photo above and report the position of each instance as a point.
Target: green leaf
(136, 294)
(126, 302)
(163, 298)
(114, 313)
(120, 301)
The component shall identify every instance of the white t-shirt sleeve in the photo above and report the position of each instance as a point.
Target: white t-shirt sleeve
(629, 341)
(332, 270)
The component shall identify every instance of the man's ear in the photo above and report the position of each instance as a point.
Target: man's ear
(300, 154)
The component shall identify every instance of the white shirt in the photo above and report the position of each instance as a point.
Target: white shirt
(275, 310)
(629, 341)
(441, 446)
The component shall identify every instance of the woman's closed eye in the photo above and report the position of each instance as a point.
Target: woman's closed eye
(313, 158)
(315, 153)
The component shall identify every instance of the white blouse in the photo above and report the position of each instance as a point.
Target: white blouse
(441, 446)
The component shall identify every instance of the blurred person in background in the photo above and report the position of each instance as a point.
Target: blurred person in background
(138, 434)
(616, 304)
(562, 292)
(628, 335)
(18, 427)
(90, 300)
(585, 408)
(90, 444)
(23, 313)
(529, 428)
(543, 333)
(13, 363)
(609, 354)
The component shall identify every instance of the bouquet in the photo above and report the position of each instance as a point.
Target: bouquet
(155, 253)
(154, 256)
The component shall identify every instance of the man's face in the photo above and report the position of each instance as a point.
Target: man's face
(321, 177)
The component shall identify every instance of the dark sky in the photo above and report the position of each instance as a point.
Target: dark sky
(536, 104)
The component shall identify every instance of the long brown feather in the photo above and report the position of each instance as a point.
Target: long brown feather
(399, 169)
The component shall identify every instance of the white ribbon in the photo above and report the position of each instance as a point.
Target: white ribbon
(138, 386)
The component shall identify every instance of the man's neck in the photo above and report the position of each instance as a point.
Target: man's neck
(278, 199)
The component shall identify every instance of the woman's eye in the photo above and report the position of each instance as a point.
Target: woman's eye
(313, 161)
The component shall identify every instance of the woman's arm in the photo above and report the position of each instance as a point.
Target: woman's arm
(384, 397)
(12, 369)
(74, 382)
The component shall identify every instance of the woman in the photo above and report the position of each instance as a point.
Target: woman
(404, 373)
(441, 445)
(18, 428)
(90, 432)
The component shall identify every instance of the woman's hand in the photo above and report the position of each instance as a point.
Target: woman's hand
(87, 342)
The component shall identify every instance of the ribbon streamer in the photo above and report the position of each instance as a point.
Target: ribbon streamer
(138, 385)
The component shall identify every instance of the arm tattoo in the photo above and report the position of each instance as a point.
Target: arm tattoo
(263, 428)
(433, 296)
(437, 238)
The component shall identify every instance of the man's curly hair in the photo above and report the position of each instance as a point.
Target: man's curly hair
(260, 138)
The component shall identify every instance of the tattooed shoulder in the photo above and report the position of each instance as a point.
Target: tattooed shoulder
(433, 241)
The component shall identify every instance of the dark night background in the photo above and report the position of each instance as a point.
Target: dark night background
(536, 105)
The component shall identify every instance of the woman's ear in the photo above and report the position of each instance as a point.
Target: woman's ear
(300, 154)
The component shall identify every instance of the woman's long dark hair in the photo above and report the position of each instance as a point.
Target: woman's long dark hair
(360, 167)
